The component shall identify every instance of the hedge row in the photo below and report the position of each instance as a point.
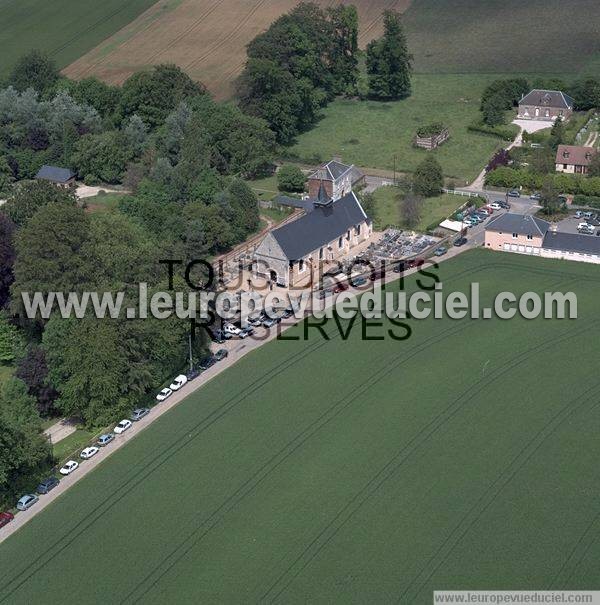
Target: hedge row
(506, 133)
(512, 178)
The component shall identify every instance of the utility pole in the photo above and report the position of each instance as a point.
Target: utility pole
(394, 170)
(190, 351)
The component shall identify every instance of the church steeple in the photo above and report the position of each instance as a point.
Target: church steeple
(323, 198)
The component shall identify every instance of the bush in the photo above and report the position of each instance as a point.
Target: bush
(290, 178)
(590, 201)
(430, 129)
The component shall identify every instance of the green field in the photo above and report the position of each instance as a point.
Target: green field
(435, 209)
(370, 133)
(64, 29)
(487, 36)
(331, 471)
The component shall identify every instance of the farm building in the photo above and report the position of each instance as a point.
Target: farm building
(574, 159)
(59, 176)
(338, 179)
(520, 233)
(545, 105)
(326, 232)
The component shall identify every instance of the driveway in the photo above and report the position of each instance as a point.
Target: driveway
(63, 428)
(531, 126)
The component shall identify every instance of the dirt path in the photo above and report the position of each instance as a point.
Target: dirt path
(63, 428)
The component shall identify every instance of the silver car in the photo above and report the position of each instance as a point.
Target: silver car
(105, 439)
(139, 414)
(27, 501)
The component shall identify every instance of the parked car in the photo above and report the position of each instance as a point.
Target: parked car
(341, 287)
(231, 329)
(191, 374)
(69, 467)
(221, 354)
(513, 193)
(485, 211)
(27, 501)
(141, 412)
(579, 213)
(440, 251)
(122, 426)
(206, 363)
(287, 313)
(46, 485)
(255, 321)
(399, 267)
(588, 215)
(536, 195)
(89, 452)
(594, 222)
(245, 332)
(504, 205)
(219, 336)
(495, 206)
(587, 230)
(105, 439)
(461, 241)
(164, 394)
(358, 281)
(269, 322)
(178, 382)
(5, 518)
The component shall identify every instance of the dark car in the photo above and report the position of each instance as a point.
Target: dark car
(414, 262)
(341, 287)
(139, 414)
(6, 518)
(513, 193)
(219, 336)
(46, 485)
(207, 362)
(461, 241)
(504, 204)
(399, 268)
(221, 354)
(377, 274)
(192, 374)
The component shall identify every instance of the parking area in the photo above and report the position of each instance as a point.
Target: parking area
(575, 221)
(396, 244)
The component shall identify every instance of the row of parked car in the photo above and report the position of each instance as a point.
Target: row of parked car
(590, 220)
(235, 330)
(48, 484)
(479, 215)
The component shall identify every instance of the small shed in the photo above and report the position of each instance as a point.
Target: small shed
(64, 177)
(431, 136)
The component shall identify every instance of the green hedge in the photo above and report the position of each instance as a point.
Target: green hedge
(506, 133)
(590, 201)
(565, 183)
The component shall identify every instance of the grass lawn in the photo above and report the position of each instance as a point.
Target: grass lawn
(277, 213)
(70, 446)
(62, 28)
(370, 133)
(103, 202)
(351, 471)
(265, 188)
(435, 209)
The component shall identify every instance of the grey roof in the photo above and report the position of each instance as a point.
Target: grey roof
(334, 170)
(523, 224)
(572, 242)
(55, 174)
(294, 202)
(547, 98)
(319, 227)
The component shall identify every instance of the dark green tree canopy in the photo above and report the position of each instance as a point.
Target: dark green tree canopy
(428, 179)
(34, 70)
(389, 62)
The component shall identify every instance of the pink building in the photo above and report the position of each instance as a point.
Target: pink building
(520, 233)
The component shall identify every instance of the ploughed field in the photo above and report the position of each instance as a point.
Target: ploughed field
(351, 470)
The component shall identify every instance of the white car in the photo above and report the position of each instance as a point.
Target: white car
(178, 382)
(69, 467)
(495, 206)
(88, 452)
(231, 329)
(164, 394)
(122, 426)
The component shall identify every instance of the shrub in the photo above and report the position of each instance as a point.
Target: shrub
(290, 178)
(430, 129)
(506, 133)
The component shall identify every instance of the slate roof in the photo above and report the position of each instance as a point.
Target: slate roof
(334, 170)
(319, 227)
(574, 154)
(572, 242)
(523, 224)
(547, 98)
(54, 174)
(294, 202)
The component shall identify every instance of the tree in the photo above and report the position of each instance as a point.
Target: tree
(557, 134)
(428, 179)
(593, 170)
(6, 176)
(7, 257)
(11, 343)
(24, 451)
(411, 209)
(136, 133)
(290, 178)
(153, 94)
(95, 93)
(586, 94)
(389, 62)
(102, 157)
(493, 112)
(32, 369)
(34, 70)
(29, 197)
(344, 47)
(51, 253)
(550, 200)
(244, 204)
